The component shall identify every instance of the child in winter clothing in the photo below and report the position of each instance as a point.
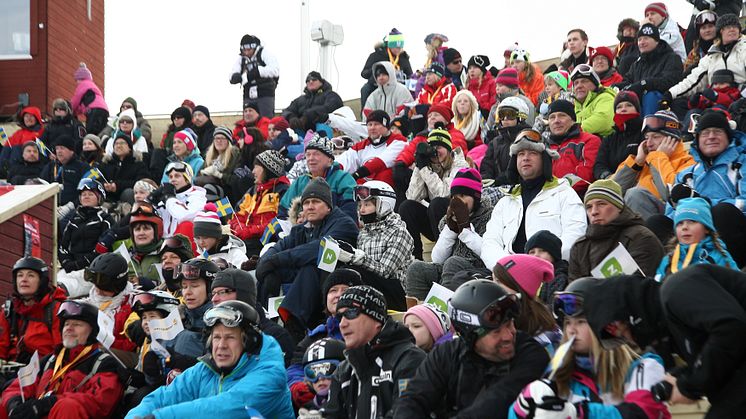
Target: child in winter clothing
(31, 127)
(178, 201)
(429, 325)
(319, 363)
(696, 240)
(545, 245)
(89, 101)
(212, 242)
(722, 90)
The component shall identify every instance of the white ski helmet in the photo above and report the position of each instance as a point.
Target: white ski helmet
(382, 191)
(516, 103)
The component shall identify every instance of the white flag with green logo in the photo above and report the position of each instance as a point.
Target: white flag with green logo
(439, 296)
(328, 254)
(618, 262)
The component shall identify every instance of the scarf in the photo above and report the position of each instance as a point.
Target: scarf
(469, 128)
(110, 305)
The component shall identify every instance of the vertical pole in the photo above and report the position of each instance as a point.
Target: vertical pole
(305, 40)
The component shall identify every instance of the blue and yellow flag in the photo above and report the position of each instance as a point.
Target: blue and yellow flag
(3, 135)
(224, 207)
(94, 174)
(43, 149)
(270, 231)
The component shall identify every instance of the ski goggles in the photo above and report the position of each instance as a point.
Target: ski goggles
(341, 143)
(364, 193)
(582, 70)
(146, 300)
(351, 313)
(507, 113)
(320, 369)
(654, 123)
(99, 278)
(496, 314)
(705, 17)
(567, 304)
(173, 243)
(70, 309)
(228, 316)
(142, 208)
(176, 165)
(184, 271)
(530, 135)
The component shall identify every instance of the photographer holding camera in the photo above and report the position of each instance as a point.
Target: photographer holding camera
(703, 310)
(436, 164)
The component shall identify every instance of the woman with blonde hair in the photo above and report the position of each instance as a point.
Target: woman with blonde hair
(467, 118)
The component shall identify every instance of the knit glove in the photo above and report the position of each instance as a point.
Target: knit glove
(694, 100)
(710, 94)
(460, 213)
(169, 191)
(152, 368)
(539, 400)
(451, 219)
(34, 408)
(400, 175)
(422, 155)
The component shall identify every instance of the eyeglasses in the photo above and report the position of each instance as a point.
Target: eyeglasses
(223, 292)
(364, 193)
(567, 304)
(528, 134)
(705, 17)
(320, 369)
(184, 271)
(70, 308)
(228, 316)
(509, 114)
(351, 313)
(654, 123)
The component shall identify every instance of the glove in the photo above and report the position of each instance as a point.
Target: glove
(301, 393)
(539, 400)
(354, 257)
(152, 367)
(250, 264)
(401, 175)
(136, 333)
(422, 155)
(710, 94)
(704, 5)
(451, 220)
(304, 413)
(180, 362)
(693, 100)
(69, 265)
(101, 248)
(169, 191)
(346, 252)
(266, 265)
(460, 213)
(235, 78)
(13, 403)
(33, 408)
(361, 172)
(156, 197)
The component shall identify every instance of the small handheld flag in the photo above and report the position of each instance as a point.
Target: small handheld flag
(270, 231)
(224, 207)
(43, 149)
(3, 136)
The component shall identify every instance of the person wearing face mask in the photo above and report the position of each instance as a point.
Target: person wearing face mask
(384, 247)
(625, 138)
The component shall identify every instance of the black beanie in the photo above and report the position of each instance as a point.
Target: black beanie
(126, 137)
(379, 116)
(545, 239)
(65, 141)
(712, 118)
(238, 280)
(650, 30)
(183, 112)
(318, 188)
(450, 54)
(564, 106)
(203, 109)
(341, 276)
(366, 298)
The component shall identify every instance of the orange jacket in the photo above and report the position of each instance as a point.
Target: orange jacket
(658, 167)
(532, 90)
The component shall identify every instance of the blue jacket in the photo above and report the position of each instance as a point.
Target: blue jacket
(301, 246)
(704, 253)
(193, 159)
(722, 180)
(341, 183)
(257, 382)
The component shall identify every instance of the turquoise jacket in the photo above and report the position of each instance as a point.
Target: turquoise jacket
(257, 382)
(194, 159)
(704, 253)
(341, 183)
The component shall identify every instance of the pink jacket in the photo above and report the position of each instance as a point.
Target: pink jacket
(77, 101)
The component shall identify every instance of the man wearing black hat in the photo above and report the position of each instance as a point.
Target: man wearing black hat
(66, 169)
(657, 69)
(380, 359)
(294, 257)
(720, 175)
(203, 127)
(314, 105)
(252, 117)
(455, 68)
(258, 71)
(373, 157)
(390, 96)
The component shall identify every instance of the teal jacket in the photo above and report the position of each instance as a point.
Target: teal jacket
(193, 159)
(341, 183)
(257, 382)
(706, 252)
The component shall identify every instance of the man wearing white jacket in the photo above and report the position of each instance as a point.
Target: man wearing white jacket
(537, 201)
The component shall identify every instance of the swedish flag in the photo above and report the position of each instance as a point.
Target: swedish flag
(224, 207)
(270, 231)
(94, 174)
(3, 136)
(43, 149)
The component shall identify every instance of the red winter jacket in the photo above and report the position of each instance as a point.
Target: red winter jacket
(31, 327)
(262, 124)
(121, 341)
(442, 92)
(258, 208)
(613, 79)
(377, 166)
(457, 139)
(577, 150)
(485, 93)
(724, 97)
(24, 135)
(96, 398)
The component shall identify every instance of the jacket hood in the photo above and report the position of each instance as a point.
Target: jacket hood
(627, 218)
(627, 298)
(32, 110)
(392, 334)
(325, 87)
(389, 69)
(131, 114)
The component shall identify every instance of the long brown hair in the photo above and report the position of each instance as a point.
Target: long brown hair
(535, 317)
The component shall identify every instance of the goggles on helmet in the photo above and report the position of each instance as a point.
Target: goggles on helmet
(364, 193)
(144, 301)
(582, 70)
(70, 308)
(142, 208)
(228, 316)
(507, 113)
(177, 165)
(567, 304)
(186, 271)
(705, 17)
(320, 369)
(654, 123)
(493, 316)
(530, 135)
(97, 278)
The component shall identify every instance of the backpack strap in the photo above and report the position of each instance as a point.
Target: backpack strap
(96, 365)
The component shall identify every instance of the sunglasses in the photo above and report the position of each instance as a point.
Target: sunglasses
(501, 311)
(225, 315)
(320, 369)
(364, 193)
(351, 313)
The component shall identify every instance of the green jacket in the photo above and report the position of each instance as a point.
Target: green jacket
(596, 113)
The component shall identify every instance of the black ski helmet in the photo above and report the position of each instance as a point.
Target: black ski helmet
(108, 272)
(78, 310)
(479, 306)
(197, 268)
(37, 265)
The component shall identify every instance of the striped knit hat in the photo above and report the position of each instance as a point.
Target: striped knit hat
(207, 223)
(605, 189)
(395, 39)
(273, 161)
(659, 8)
(508, 77)
(322, 144)
(224, 131)
(440, 136)
(468, 182)
(188, 137)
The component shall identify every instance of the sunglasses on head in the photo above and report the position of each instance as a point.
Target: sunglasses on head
(351, 313)
(320, 369)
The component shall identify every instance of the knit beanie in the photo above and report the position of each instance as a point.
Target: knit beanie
(443, 109)
(723, 76)
(280, 123)
(728, 19)
(224, 131)
(314, 75)
(436, 321)
(694, 209)
(713, 118)
(318, 188)
(95, 139)
(650, 30)
(436, 68)
(322, 144)
(564, 106)
(146, 185)
(83, 73)
(481, 61)
(369, 300)
(508, 77)
(273, 162)
(627, 96)
(450, 55)
(124, 136)
(395, 39)
(250, 42)
(659, 8)
(546, 240)
(602, 52)
(468, 182)
(605, 189)
(66, 141)
(528, 271)
(520, 54)
(670, 124)
(561, 77)
(182, 112)
(207, 222)
(340, 276)
(188, 137)
(379, 116)
(238, 280)
(440, 136)
(203, 109)
(183, 250)
(253, 104)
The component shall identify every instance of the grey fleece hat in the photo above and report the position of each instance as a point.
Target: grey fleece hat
(238, 280)
(318, 188)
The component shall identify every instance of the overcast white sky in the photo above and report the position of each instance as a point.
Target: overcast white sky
(161, 52)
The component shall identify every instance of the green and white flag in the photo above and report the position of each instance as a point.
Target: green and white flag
(618, 262)
(328, 254)
(439, 296)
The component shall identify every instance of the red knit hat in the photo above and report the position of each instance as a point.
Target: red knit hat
(188, 137)
(508, 77)
(528, 271)
(604, 52)
(659, 8)
(280, 123)
(442, 109)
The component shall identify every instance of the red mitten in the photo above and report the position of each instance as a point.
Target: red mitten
(101, 248)
(302, 393)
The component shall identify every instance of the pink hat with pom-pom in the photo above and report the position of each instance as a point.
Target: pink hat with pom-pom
(207, 223)
(83, 73)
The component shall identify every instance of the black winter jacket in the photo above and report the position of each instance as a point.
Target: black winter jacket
(616, 147)
(372, 377)
(81, 234)
(123, 173)
(660, 68)
(380, 54)
(204, 136)
(57, 127)
(68, 176)
(314, 106)
(455, 382)
(496, 159)
(22, 171)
